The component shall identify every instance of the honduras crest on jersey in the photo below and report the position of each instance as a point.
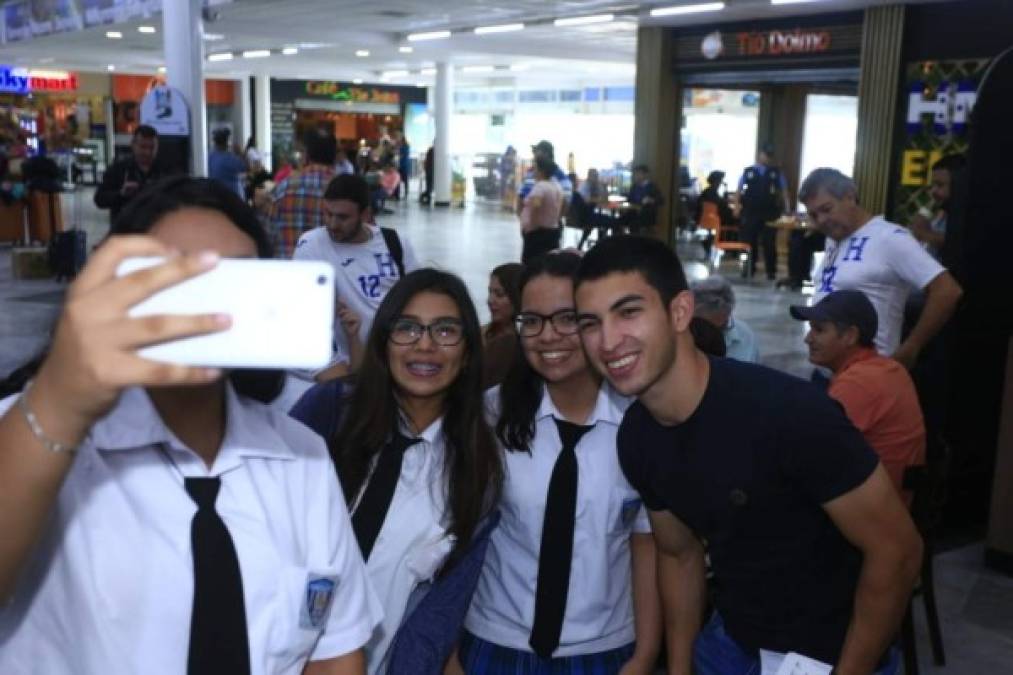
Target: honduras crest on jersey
(316, 606)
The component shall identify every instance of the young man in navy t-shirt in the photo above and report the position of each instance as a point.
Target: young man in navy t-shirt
(811, 548)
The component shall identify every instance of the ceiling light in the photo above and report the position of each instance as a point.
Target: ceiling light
(431, 35)
(519, 67)
(395, 73)
(789, 2)
(478, 69)
(110, 67)
(502, 28)
(256, 53)
(221, 56)
(584, 20)
(357, 80)
(289, 51)
(406, 49)
(688, 9)
(114, 34)
(161, 69)
(146, 29)
(427, 71)
(362, 53)
(420, 85)
(213, 37)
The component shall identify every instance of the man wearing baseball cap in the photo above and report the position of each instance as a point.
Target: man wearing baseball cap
(877, 393)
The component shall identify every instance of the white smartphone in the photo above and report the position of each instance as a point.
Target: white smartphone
(282, 313)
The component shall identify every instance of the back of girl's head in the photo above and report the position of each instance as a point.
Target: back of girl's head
(473, 468)
(183, 192)
(522, 386)
(159, 199)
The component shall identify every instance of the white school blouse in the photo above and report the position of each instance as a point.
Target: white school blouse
(110, 587)
(599, 603)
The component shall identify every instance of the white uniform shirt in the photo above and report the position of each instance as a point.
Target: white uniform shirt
(599, 603)
(110, 588)
(363, 273)
(885, 262)
(413, 541)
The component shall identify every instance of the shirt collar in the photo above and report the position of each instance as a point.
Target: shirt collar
(431, 434)
(249, 431)
(862, 354)
(609, 407)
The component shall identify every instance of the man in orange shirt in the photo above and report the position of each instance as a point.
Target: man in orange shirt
(877, 393)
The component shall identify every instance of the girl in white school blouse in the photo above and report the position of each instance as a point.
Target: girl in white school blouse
(156, 518)
(569, 579)
(419, 465)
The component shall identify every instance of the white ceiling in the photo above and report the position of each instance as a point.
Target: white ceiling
(329, 32)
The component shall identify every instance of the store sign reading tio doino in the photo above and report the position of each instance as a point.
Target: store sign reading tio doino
(339, 92)
(777, 42)
(23, 81)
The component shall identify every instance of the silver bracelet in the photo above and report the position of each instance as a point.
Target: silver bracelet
(33, 424)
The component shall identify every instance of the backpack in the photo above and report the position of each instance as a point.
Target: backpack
(393, 241)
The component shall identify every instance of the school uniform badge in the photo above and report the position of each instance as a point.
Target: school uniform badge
(630, 510)
(317, 600)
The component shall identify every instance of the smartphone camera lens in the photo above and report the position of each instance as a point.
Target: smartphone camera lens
(321, 280)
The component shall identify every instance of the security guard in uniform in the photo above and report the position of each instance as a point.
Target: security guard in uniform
(761, 193)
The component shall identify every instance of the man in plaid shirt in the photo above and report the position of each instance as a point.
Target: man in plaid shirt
(298, 200)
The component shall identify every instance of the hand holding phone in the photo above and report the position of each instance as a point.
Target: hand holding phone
(93, 355)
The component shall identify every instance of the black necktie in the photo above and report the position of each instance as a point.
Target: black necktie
(556, 552)
(372, 509)
(218, 638)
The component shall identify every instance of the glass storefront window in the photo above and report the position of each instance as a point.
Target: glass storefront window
(830, 126)
(719, 133)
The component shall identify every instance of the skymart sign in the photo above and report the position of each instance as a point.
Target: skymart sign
(24, 81)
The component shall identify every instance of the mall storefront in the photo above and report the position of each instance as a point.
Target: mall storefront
(357, 115)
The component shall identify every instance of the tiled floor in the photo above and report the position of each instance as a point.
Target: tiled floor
(976, 605)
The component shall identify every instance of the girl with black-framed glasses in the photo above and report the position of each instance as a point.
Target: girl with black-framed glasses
(418, 464)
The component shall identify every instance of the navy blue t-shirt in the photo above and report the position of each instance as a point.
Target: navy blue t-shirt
(748, 473)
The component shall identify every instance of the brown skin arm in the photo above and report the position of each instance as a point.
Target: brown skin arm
(682, 585)
(352, 663)
(646, 605)
(941, 298)
(873, 518)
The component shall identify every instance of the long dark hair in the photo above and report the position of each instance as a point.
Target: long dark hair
(521, 391)
(473, 467)
(171, 194)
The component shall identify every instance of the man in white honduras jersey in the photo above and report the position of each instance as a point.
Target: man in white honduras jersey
(870, 254)
(367, 260)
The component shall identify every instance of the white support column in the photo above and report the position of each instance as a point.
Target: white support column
(443, 109)
(183, 33)
(262, 104)
(246, 109)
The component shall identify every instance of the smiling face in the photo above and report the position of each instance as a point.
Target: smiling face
(556, 356)
(940, 187)
(426, 369)
(629, 335)
(500, 308)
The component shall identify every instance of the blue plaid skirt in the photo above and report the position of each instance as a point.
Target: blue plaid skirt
(485, 658)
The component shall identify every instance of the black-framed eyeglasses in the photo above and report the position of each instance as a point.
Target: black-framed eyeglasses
(444, 332)
(531, 324)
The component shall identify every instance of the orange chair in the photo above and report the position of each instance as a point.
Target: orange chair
(710, 220)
